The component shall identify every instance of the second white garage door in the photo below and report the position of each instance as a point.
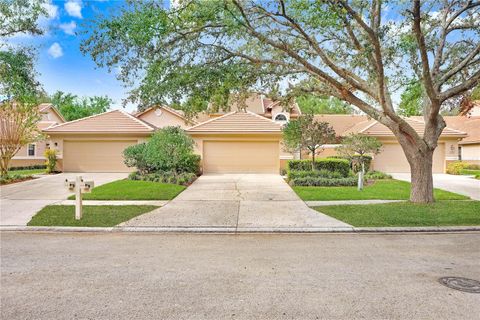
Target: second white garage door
(241, 157)
(95, 156)
(392, 159)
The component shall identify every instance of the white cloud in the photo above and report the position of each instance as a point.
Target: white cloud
(68, 28)
(55, 50)
(52, 10)
(74, 8)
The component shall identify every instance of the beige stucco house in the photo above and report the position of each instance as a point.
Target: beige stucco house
(247, 140)
(469, 122)
(32, 154)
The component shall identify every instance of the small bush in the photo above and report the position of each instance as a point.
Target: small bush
(169, 149)
(324, 182)
(355, 162)
(314, 174)
(37, 166)
(473, 167)
(456, 167)
(377, 175)
(51, 162)
(341, 166)
(134, 157)
(13, 177)
(184, 178)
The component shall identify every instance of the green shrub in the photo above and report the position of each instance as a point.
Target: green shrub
(314, 174)
(134, 157)
(37, 166)
(473, 166)
(168, 150)
(184, 178)
(51, 160)
(14, 177)
(341, 166)
(324, 182)
(456, 166)
(377, 175)
(355, 163)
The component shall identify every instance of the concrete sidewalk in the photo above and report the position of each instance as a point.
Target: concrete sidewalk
(237, 201)
(158, 203)
(465, 185)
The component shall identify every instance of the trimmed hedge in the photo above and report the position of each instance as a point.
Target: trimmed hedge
(341, 166)
(184, 178)
(457, 167)
(315, 174)
(37, 166)
(354, 162)
(377, 175)
(323, 182)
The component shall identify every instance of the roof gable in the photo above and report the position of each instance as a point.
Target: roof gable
(375, 128)
(115, 121)
(237, 121)
(47, 107)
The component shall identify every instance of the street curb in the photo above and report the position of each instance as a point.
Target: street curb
(233, 230)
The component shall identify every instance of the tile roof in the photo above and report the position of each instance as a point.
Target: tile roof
(237, 121)
(374, 128)
(469, 125)
(178, 113)
(341, 122)
(115, 121)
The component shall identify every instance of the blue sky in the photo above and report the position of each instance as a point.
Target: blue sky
(60, 63)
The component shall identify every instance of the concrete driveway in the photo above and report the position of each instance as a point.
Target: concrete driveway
(459, 184)
(238, 201)
(20, 201)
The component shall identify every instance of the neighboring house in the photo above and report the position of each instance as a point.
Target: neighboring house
(224, 140)
(240, 141)
(32, 154)
(392, 158)
(96, 143)
(468, 148)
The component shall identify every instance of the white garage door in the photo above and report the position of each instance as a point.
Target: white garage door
(392, 159)
(241, 157)
(95, 156)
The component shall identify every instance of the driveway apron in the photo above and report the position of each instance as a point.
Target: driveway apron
(238, 201)
(19, 202)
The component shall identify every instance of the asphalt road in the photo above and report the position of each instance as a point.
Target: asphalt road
(153, 276)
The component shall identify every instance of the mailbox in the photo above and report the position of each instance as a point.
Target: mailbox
(70, 184)
(87, 186)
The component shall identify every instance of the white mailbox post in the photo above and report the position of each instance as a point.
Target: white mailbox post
(80, 187)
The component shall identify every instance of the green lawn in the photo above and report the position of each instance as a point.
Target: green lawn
(93, 216)
(381, 189)
(27, 172)
(403, 214)
(470, 172)
(133, 190)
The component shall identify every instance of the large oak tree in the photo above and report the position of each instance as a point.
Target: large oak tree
(359, 51)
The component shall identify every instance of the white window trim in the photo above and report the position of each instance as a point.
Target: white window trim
(34, 150)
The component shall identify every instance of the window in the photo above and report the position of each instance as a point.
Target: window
(281, 117)
(31, 150)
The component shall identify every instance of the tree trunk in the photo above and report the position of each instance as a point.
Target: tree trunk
(313, 160)
(421, 177)
(419, 155)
